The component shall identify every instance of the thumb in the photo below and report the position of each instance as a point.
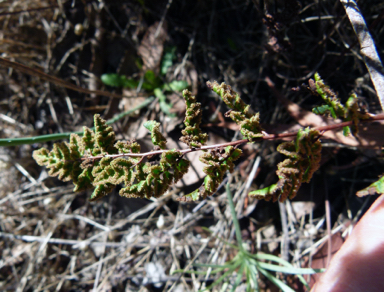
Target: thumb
(359, 264)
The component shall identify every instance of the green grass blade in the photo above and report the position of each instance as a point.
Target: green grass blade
(289, 270)
(234, 218)
(226, 265)
(252, 273)
(190, 272)
(298, 273)
(223, 277)
(238, 278)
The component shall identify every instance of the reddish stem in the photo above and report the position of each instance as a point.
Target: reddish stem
(239, 142)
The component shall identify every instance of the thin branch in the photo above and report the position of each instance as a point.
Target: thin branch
(367, 47)
(60, 82)
(28, 10)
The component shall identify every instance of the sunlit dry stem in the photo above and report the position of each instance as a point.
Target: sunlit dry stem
(266, 136)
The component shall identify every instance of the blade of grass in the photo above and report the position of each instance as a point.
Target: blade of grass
(252, 273)
(222, 277)
(234, 217)
(239, 276)
(289, 270)
(286, 264)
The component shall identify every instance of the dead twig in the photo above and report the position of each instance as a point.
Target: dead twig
(35, 72)
(367, 47)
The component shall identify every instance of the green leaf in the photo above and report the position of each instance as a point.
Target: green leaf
(346, 131)
(194, 196)
(263, 193)
(322, 109)
(84, 180)
(192, 134)
(376, 188)
(149, 125)
(166, 108)
(41, 156)
(112, 79)
(76, 147)
(151, 81)
(167, 61)
(156, 136)
(128, 147)
(130, 83)
(241, 113)
(176, 85)
(159, 94)
(116, 80)
(181, 168)
(88, 139)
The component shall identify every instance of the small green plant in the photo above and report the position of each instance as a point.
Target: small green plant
(150, 82)
(97, 161)
(247, 265)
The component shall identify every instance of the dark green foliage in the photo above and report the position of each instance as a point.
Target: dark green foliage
(164, 105)
(116, 80)
(240, 112)
(304, 159)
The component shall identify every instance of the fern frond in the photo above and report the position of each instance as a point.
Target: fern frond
(172, 159)
(156, 136)
(84, 180)
(192, 135)
(304, 159)
(128, 147)
(59, 161)
(104, 135)
(335, 108)
(76, 147)
(350, 112)
(218, 163)
(240, 112)
(101, 191)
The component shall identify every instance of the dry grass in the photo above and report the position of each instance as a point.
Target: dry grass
(52, 239)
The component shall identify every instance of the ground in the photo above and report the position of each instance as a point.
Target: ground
(52, 239)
